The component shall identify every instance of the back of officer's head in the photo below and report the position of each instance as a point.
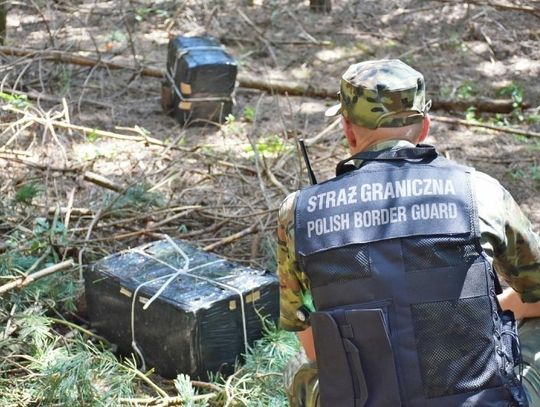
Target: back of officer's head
(383, 96)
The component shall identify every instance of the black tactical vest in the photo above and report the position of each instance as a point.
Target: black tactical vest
(405, 296)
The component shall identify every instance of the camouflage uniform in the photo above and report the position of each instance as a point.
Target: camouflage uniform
(506, 236)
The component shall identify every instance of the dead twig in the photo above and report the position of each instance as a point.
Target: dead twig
(86, 130)
(229, 239)
(26, 280)
(151, 232)
(15, 158)
(315, 139)
(79, 328)
(89, 176)
(205, 385)
(142, 216)
(15, 153)
(306, 33)
(72, 212)
(34, 95)
(102, 133)
(102, 181)
(274, 180)
(259, 34)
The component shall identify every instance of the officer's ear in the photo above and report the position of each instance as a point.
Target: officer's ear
(349, 133)
(426, 123)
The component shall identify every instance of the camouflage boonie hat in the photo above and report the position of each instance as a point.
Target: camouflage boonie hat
(383, 93)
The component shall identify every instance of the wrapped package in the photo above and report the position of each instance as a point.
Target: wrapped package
(178, 308)
(200, 79)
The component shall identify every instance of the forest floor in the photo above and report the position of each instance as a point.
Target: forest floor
(90, 165)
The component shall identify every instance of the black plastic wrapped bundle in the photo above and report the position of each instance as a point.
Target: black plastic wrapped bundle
(200, 80)
(196, 325)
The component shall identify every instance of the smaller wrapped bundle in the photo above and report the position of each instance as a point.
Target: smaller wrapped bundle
(200, 79)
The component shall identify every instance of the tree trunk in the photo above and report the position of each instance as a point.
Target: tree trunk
(320, 6)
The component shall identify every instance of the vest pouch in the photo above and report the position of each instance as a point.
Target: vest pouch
(511, 357)
(355, 358)
(510, 340)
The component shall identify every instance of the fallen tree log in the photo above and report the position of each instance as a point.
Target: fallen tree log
(467, 123)
(251, 81)
(481, 104)
(288, 87)
(76, 59)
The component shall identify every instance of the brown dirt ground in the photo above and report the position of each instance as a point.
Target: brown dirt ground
(462, 49)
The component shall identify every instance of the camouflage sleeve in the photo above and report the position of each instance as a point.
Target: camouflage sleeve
(293, 285)
(517, 258)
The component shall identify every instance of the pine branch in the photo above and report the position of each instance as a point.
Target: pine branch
(26, 280)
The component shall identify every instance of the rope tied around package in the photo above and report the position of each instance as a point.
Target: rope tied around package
(183, 271)
(193, 99)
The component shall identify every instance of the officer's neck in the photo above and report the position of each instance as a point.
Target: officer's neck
(382, 144)
(362, 139)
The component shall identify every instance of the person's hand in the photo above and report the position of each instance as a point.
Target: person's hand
(510, 300)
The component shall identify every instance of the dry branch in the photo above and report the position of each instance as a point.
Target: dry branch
(101, 181)
(89, 176)
(33, 164)
(315, 139)
(229, 239)
(511, 130)
(152, 231)
(34, 95)
(25, 280)
(259, 34)
(118, 237)
(72, 211)
(102, 133)
(251, 81)
(500, 6)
